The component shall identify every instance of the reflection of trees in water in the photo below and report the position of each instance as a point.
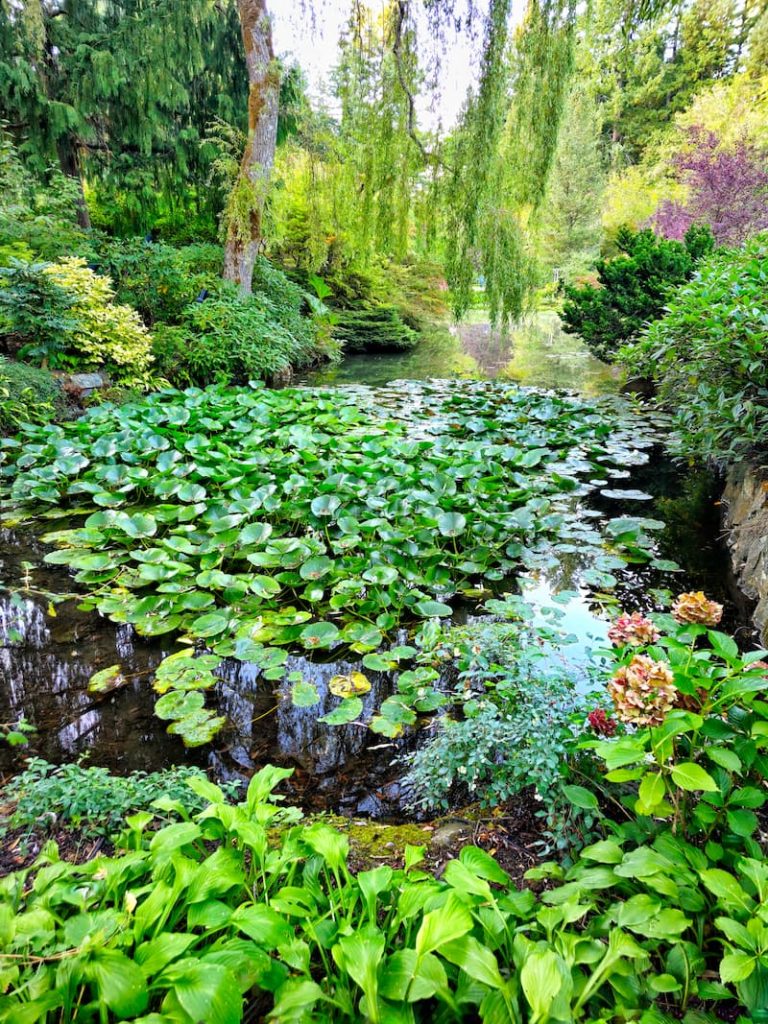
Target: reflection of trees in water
(543, 355)
(291, 733)
(46, 664)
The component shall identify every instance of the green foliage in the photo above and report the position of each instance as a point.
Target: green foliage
(235, 339)
(16, 734)
(121, 92)
(190, 919)
(62, 315)
(154, 278)
(90, 799)
(37, 213)
(501, 156)
(699, 765)
(370, 330)
(646, 63)
(570, 229)
(500, 747)
(275, 519)
(633, 287)
(707, 355)
(27, 395)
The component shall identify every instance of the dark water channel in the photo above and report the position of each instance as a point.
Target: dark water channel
(49, 653)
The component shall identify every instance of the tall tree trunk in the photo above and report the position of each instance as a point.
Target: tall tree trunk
(245, 230)
(69, 162)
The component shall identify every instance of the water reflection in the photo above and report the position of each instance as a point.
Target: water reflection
(48, 652)
(537, 353)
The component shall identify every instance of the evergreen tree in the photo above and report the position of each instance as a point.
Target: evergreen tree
(570, 219)
(120, 91)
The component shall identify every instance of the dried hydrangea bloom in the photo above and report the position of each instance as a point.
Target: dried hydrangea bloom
(601, 723)
(695, 607)
(634, 629)
(643, 691)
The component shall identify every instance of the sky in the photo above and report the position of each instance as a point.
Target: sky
(310, 31)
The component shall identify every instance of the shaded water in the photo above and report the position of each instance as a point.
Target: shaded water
(46, 659)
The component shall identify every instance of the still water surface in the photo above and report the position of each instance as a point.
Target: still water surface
(46, 659)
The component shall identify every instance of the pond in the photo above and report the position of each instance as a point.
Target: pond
(537, 354)
(51, 647)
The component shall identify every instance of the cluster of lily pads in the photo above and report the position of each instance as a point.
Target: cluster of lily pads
(251, 522)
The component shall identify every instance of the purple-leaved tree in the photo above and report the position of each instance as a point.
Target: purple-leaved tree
(727, 189)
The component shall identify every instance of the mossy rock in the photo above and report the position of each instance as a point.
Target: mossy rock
(28, 394)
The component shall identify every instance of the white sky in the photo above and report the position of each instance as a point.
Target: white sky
(310, 31)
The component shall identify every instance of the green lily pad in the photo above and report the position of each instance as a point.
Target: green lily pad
(348, 711)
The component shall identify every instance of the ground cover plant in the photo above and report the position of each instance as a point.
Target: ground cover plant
(254, 521)
(89, 799)
(27, 395)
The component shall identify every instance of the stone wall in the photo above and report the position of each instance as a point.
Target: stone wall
(745, 501)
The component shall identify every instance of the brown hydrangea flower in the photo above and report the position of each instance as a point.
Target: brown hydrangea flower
(601, 723)
(695, 607)
(643, 691)
(634, 629)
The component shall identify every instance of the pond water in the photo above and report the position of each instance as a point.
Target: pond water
(537, 354)
(49, 653)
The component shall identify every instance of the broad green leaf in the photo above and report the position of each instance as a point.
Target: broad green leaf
(581, 797)
(693, 777)
(438, 927)
(451, 524)
(541, 980)
(304, 694)
(120, 983)
(349, 710)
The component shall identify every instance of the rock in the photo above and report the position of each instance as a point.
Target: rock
(370, 806)
(746, 518)
(80, 385)
(450, 834)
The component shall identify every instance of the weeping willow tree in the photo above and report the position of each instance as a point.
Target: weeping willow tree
(120, 91)
(502, 155)
(350, 186)
(375, 82)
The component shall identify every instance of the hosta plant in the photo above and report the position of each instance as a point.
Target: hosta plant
(241, 908)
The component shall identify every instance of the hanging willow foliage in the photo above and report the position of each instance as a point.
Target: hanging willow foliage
(503, 153)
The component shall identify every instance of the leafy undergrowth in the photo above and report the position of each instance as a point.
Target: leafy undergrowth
(255, 522)
(247, 909)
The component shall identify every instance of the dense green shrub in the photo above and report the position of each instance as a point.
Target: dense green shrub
(708, 355)
(515, 728)
(37, 216)
(231, 339)
(27, 395)
(633, 287)
(371, 330)
(62, 315)
(226, 337)
(89, 798)
(150, 276)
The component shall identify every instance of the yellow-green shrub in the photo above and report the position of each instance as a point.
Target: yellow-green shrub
(105, 333)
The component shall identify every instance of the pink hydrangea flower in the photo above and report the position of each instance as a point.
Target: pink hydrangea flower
(635, 630)
(643, 691)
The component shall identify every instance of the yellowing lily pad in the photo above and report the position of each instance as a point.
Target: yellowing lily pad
(350, 685)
